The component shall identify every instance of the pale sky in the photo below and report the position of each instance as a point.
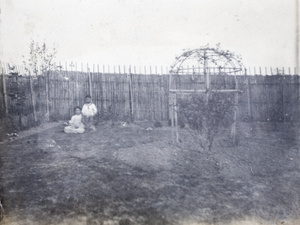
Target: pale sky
(150, 32)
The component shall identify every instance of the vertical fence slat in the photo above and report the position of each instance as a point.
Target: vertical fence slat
(32, 98)
(5, 94)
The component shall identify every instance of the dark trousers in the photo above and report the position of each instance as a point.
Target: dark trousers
(88, 121)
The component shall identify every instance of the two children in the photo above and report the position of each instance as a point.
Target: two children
(83, 118)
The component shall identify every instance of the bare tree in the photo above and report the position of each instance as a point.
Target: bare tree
(40, 63)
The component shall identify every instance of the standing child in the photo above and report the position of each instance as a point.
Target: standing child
(75, 126)
(89, 110)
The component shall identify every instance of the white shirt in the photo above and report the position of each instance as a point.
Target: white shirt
(89, 109)
(76, 121)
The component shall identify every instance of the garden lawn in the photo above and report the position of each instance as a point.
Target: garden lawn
(127, 174)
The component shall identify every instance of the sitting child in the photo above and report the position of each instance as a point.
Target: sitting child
(75, 126)
(89, 110)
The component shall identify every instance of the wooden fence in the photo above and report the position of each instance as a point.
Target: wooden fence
(261, 98)
(141, 96)
(272, 98)
(123, 96)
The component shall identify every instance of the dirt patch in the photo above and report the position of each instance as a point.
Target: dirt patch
(154, 157)
(134, 175)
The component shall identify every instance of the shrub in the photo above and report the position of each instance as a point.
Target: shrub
(111, 114)
(8, 125)
(206, 115)
(157, 124)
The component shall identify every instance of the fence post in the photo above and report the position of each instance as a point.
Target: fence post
(259, 70)
(32, 98)
(176, 117)
(171, 106)
(4, 93)
(283, 99)
(47, 95)
(249, 96)
(236, 109)
(90, 82)
(76, 85)
(130, 95)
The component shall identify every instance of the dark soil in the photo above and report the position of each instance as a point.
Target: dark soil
(132, 175)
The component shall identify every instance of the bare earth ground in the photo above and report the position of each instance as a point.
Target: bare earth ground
(128, 175)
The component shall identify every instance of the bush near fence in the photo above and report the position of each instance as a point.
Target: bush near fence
(143, 96)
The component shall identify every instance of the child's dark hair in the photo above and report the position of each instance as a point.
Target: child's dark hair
(88, 96)
(77, 107)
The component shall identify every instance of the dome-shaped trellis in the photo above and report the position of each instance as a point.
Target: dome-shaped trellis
(204, 62)
(207, 60)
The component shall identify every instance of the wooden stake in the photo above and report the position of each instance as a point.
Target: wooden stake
(266, 71)
(171, 99)
(131, 94)
(283, 105)
(235, 115)
(90, 83)
(260, 70)
(76, 85)
(249, 97)
(32, 98)
(176, 118)
(47, 79)
(4, 93)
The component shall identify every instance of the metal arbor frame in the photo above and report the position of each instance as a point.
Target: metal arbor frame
(204, 61)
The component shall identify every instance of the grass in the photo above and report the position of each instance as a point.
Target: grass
(133, 175)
